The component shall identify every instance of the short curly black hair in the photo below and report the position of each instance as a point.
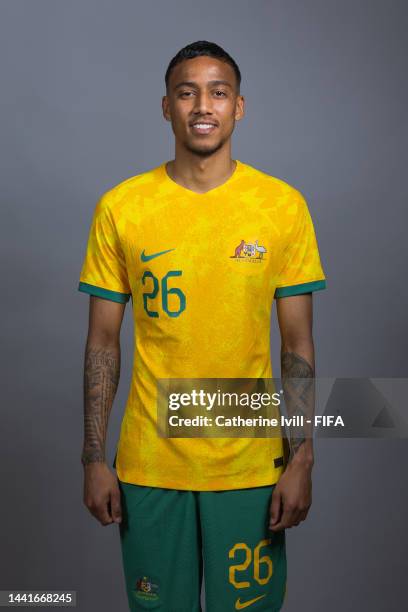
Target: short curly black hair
(197, 49)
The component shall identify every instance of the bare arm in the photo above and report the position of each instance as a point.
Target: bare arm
(295, 317)
(101, 378)
(292, 495)
(101, 374)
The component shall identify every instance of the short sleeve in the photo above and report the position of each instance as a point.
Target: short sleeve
(301, 270)
(103, 271)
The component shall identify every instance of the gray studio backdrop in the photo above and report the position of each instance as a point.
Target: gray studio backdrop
(326, 93)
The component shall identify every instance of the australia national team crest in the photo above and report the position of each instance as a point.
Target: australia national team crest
(146, 589)
(251, 252)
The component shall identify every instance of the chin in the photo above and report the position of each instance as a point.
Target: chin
(204, 150)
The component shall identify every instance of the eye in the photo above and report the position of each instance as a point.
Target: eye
(220, 92)
(185, 94)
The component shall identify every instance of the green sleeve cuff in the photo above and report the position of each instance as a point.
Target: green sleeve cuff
(299, 289)
(107, 294)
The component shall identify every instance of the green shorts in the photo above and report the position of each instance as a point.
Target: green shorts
(168, 536)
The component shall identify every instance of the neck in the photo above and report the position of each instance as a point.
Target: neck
(198, 173)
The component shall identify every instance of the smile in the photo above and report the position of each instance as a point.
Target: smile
(203, 128)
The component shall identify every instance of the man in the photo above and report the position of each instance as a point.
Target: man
(202, 244)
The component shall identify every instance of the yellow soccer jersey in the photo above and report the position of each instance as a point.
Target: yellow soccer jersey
(202, 271)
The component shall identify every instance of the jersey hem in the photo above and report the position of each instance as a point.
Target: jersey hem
(107, 294)
(300, 288)
(182, 485)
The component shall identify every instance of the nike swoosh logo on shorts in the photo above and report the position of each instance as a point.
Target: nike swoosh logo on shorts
(240, 605)
(145, 257)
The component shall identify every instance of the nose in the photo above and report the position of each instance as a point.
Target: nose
(203, 105)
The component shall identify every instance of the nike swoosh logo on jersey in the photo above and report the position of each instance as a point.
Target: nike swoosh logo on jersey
(240, 605)
(145, 257)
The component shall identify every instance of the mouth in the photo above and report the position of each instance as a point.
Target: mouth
(203, 127)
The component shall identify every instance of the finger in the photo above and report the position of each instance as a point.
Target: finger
(116, 508)
(289, 516)
(277, 527)
(101, 512)
(276, 504)
(281, 526)
(303, 515)
(294, 518)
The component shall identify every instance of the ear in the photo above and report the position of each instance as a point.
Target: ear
(239, 108)
(166, 108)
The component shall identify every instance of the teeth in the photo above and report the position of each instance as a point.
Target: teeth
(203, 125)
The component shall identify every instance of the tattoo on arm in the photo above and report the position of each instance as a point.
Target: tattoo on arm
(101, 379)
(298, 385)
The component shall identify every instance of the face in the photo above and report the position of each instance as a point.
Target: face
(202, 104)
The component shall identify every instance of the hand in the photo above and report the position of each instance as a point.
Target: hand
(292, 496)
(102, 494)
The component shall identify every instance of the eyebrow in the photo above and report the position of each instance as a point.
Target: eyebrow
(194, 84)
